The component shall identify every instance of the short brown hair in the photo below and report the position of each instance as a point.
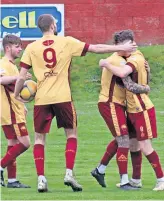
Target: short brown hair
(11, 39)
(121, 36)
(45, 21)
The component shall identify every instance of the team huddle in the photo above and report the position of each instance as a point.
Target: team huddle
(123, 103)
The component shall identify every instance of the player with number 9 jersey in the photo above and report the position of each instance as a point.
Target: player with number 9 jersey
(50, 58)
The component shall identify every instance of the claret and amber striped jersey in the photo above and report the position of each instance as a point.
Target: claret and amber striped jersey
(138, 102)
(12, 110)
(50, 57)
(112, 89)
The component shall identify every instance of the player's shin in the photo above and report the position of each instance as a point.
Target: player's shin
(11, 169)
(136, 158)
(155, 162)
(153, 159)
(70, 154)
(38, 153)
(122, 157)
(13, 153)
(108, 155)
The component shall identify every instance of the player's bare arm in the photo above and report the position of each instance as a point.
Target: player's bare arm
(134, 87)
(101, 48)
(20, 82)
(122, 72)
(5, 80)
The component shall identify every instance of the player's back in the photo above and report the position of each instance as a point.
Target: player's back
(50, 58)
(112, 88)
(140, 75)
(48, 53)
(138, 102)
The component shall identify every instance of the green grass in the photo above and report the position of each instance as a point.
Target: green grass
(93, 138)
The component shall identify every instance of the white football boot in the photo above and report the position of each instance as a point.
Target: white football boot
(132, 183)
(159, 186)
(70, 181)
(42, 184)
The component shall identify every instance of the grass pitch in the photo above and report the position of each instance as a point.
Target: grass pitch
(93, 139)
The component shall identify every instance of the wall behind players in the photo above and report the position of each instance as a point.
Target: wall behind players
(94, 21)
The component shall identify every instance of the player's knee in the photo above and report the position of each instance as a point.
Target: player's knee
(40, 138)
(71, 133)
(134, 145)
(146, 147)
(25, 140)
(12, 142)
(27, 143)
(71, 136)
(123, 141)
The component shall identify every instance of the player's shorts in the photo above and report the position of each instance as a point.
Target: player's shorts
(115, 118)
(142, 125)
(15, 130)
(65, 116)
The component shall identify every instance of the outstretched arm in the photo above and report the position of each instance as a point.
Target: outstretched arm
(134, 87)
(122, 72)
(102, 48)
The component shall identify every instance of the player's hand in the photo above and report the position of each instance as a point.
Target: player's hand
(129, 47)
(20, 99)
(103, 63)
(28, 76)
(147, 67)
(147, 88)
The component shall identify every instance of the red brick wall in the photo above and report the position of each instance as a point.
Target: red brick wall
(94, 21)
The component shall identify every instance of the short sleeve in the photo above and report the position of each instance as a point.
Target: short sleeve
(131, 61)
(77, 47)
(26, 59)
(2, 71)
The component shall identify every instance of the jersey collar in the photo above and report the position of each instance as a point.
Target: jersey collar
(6, 59)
